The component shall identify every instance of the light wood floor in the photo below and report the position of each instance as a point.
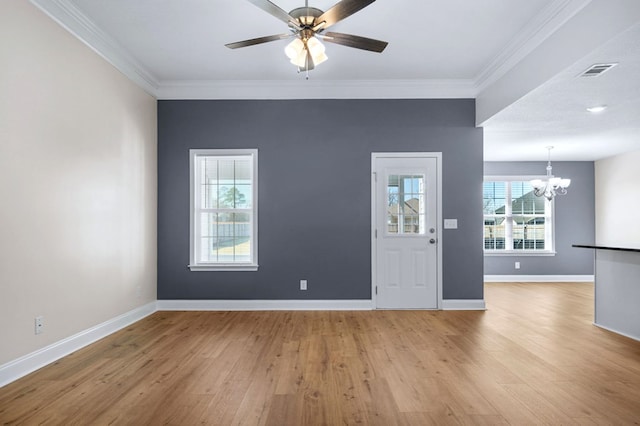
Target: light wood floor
(533, 357)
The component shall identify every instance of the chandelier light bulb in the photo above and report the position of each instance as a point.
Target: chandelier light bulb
(555, 181)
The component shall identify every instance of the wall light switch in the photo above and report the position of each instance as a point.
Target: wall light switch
(303, 284)
(451, 224)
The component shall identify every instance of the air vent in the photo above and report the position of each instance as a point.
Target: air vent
(597, 70)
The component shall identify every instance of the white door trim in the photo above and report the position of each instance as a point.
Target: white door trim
(374, 157)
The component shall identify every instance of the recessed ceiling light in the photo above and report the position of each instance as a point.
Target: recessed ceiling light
(597, 109)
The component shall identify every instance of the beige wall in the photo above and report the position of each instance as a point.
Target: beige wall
(618, 200)
(77, 185)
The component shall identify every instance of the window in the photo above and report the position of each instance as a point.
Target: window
(405, 211)
(224, 207)
(515, 220)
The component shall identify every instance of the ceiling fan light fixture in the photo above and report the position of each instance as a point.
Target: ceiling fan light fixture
(314, 46)
(294, 49)
(318, 59)
(305, 23)
(316, 50)
(301, 60)
(302, 53)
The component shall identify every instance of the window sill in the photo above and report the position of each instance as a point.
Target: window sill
(519, 253)
(243, 267)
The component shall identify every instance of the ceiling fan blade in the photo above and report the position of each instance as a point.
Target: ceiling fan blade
(276, 11)
(357, 42)
(342, 10)
(259, 40)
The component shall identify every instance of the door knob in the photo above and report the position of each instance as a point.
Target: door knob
(432, 240)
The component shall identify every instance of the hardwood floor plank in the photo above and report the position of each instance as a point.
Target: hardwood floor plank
(509, 407)
(480, 420)
(380, 409)
(283, 411)
(224, 405)
(533, 357)
(546, 412)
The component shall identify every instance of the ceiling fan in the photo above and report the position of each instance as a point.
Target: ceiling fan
(307, 25)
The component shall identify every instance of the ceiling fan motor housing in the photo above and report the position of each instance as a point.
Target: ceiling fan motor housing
(306, 16)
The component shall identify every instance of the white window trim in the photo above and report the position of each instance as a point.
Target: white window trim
(549, 233)
(194, 265)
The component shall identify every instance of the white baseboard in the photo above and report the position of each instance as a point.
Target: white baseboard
(24, 365)
(463, 305)
(630, 336)
(538, 278)
(264, 305)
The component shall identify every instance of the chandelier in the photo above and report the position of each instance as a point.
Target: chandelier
(551, 185)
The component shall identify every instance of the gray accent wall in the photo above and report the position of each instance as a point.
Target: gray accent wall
(574, 221)
(315, 191)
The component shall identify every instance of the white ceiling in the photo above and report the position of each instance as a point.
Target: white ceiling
(555, 114)
(175, 49)
(184, 40)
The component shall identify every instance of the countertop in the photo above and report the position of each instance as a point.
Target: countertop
(603, 247)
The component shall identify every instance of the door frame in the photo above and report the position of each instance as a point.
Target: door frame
(438, 157)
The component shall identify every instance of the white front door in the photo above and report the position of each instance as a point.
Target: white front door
(405, 230)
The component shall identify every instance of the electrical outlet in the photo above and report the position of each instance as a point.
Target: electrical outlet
(517, 265)
(39, 325)
(303, 284)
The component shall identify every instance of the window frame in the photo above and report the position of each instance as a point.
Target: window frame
(195, 209)
(549, 216)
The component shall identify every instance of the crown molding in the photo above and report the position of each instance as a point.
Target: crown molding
(317, 89)
(65, 13)
(539, 29)
(547, 22)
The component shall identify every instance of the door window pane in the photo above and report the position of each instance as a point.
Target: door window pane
(406, 204)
